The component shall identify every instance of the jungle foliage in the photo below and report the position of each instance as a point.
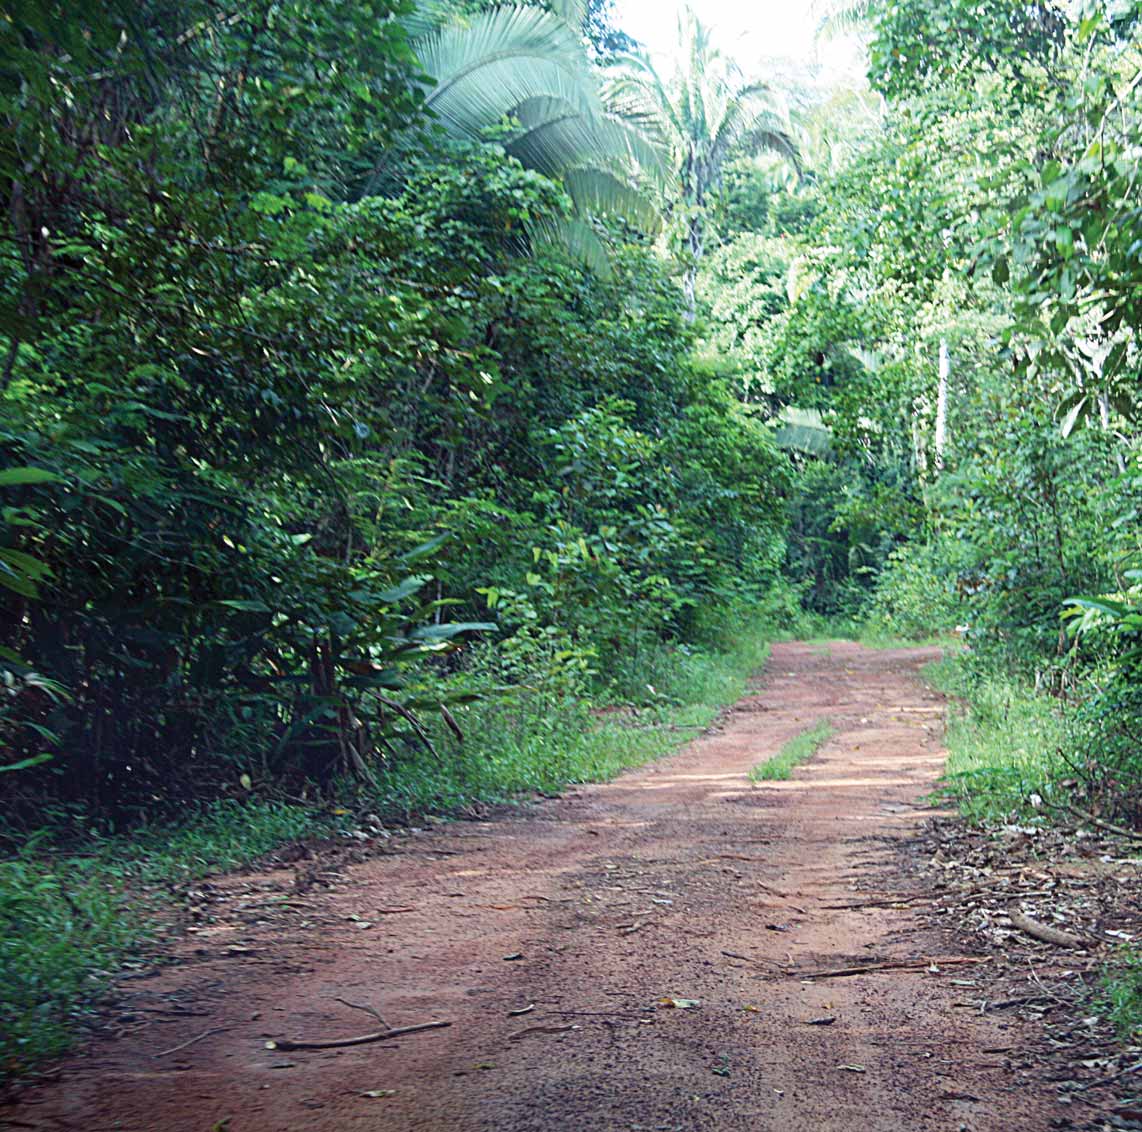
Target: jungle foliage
(389, 390)
(298, 397)
(955, 352)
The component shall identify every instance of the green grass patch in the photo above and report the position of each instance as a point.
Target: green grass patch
(75, 905)
(1121, 993)
(69, 919)
(794, 752)
(1003, 743)
(874, 638)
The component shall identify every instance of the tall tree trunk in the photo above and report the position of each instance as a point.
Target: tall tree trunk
(945, 372)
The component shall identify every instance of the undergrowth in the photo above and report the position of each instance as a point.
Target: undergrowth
(1121, 993)
(1003, 742)
(75, 903)
(68, 918)
(794, 752)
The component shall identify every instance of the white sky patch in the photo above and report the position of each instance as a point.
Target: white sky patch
(746, 30)
(765, 37)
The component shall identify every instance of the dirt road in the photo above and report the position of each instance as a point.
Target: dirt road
(680, 881)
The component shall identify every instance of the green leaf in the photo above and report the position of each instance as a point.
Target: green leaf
(13, 477)
(404, 589)
(24, 764)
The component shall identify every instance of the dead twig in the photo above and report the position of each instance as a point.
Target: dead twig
(598, 1014)
(367, 1009)
(1108, 826)
(891, 965)
(538, 1030)
(193, 1041)
(287, 1044)
(1003, 1004)
(1113, 1077)
(783, 895)
(1042, 932)
(887, 903)
(751, 959)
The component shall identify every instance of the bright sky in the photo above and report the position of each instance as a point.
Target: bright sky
(748, 31)
(744, 29)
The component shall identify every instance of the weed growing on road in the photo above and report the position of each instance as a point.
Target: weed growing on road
(534, 742)
(796, 751)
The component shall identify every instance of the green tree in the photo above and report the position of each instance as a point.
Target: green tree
(703, 114)
(524, 73)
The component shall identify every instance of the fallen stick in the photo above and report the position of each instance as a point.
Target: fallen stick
(1042, 932)
(1026, 1000)
(1110, 826)
(184, 1045)
(598, 1014)
(1113, 1077)
(890, 965)
(783, 895)
(875, 903)
(538, 1030)
(751, 959)
(287, 1044)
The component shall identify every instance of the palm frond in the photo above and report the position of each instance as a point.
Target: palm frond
(576, 239)
(500, 59)
(803, 430)
(527, 67)
(841, 17)
(571, 12)
(426, 17)
(595, 192)
(554, 136)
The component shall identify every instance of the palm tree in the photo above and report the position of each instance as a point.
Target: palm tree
(842, 17)
(702, 115)
(528, 68)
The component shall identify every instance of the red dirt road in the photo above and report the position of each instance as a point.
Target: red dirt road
(682, 880)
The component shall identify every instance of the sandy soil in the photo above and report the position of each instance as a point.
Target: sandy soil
(680, 881)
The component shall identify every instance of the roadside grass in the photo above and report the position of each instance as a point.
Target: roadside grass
(1121, 993)
(69, 919)
(1003, 743)
(821, 631)
(794, 752)
(75, 906)
(535, 743)
(878, 639)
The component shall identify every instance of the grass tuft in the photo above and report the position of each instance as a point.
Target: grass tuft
(794, 752)
(68, 920)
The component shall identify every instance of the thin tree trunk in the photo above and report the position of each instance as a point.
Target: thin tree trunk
(694, 245)
(945, 372)
(1104, 418)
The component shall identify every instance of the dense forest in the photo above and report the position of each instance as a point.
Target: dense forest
(411, 404)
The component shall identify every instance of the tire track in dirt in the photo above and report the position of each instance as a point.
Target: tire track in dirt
(681, 880)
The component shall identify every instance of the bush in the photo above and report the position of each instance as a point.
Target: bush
(915, 596)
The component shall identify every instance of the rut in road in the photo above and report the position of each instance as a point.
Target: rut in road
(679, 881)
